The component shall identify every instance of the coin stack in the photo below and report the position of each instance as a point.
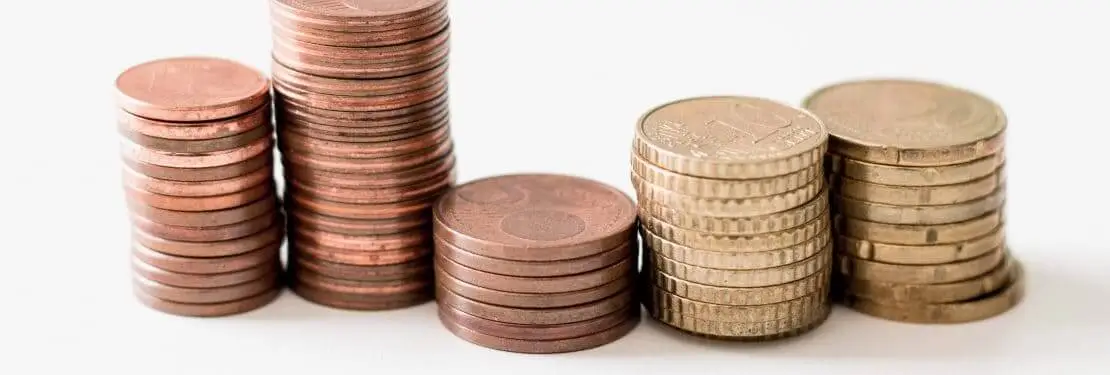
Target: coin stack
(918, 192)
(536, 263)
(734, 217)
(361, 89)
(197, 149)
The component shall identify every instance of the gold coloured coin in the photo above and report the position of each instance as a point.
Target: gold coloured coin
(746, 331)
(728, 207)
(914, 176)
(800, 307)
(743, 278)
(921, 254)
(738, 226)
(904, 234)
(982, 307)
(721, 188)
(943, 214)
(904, 122)
(932, 293)
(730, 137)
(919, 274)
(741, 296)
(919, 195)
(736, 260)
(757, 242)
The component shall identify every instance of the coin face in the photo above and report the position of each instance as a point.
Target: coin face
(537, 212)
(731, 129)
(906, 114)
(360, 8)
(191, 89)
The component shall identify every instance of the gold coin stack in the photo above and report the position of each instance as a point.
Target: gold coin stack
(734, 217)
(918, 185)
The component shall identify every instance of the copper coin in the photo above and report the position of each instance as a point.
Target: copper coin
(531, 300)
(418, 268)
(514, 315)
(267, 237)
(537, 332)
(197, 146)
(363, 103)
(224, 172)
(206, 295)
(535, 217)
(208, 309)
(366, 70)
(357, 87)
(358, 257)
(414, 175)
(194, 131)
(432, 187)
(201, 204)
(191, 89)
(206, 234)
(199, 160)
(210, 280)
(386, 164)
(378, 288)
(540, 346)
(409, 34)
(365, 135)
(367, 302)
(312, 221)
(246, 181)
(348, 15)
(380, 242)
(535, 269)
(324, 54)
(383, 211)
(203, 219)
(207, 265)
(551, 284)
(416, 143)
(359, 119)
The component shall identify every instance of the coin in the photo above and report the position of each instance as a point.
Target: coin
(531, 300)
(549, 284)
(920, 274)
(360, 295)
(432, 170)
(361, 39)
(320, 53)
(270, 235)
(534, 332)
(141, 181)
(742, 331)
(191, 89)
(534, 217)
(384, 211)
(742, 207)
(539, 346)
(217, 129)
(210, 280)
(380, 242)
(197, 146)
(356, 119)
(978, 308)
(756, 242)
(722, 188)
(933, 293)
(388, 164)
(208, 309)
(731, 259)
(743, 278)
(813, 284)
(737, 226)
(730, 137)
(938, 214)
(550, 316)
(223, 172)
(206, 265)
(206, 233)
(914, 176)
(361, 257)
(805, 305)
(348, 15)
(200, 160)
(316, 222)
(357, 87)
(412, 269)
(535, 269)
(921, 254)
(201, 204)
(202, 219)
(907, 234)
(904, 122)
(362, 103)
(920, 195)
(206, 295)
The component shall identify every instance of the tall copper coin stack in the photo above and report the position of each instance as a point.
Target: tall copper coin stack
(734, 218)
(197, 148)
(536, 263)
(363, 129)
(917, 171)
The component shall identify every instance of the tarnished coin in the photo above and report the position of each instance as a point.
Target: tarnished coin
(199, 131)
(535, 217)
(728, 207)
(190, 89)
(354, 119)
(730, 138)
(202, 219)
(431, 170)
(531, 300)
(914, 176)
(978, 308)
(389, 164)
(736, 260)
(722, 188)
(243, 182)
(922, 254)
(417, 268)
(208, 309)
(363, 70)
(253, 164)
(904, 122)
(749, 243)
(939, 214)
(548, 284)
(357, 87)
(920, 195)
(589, 341)
(207, 265)
(361, 257)
(201, 204)
(428, 188)
(818, 282)
(805, 305)
(538, 332)
(532, 268)
(312, 221)
(551, 316)
(907, 234)
(198, 146)
(216, 233)
(209, 280)
(422, 141)
(737, 226)
(206, 295)
(367, 134)
(269, 236)
(362, 103)
(743, 278)
(741, 331)
(381, 242)
(200, 160)
(932, 293)
(920, 274)
(382, 211)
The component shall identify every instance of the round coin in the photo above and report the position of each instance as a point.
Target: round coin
(206, 295)
(743, 278)
(806, 305)
(200, 204)
(408, 270)
(190, 89)
(728, 207)
(383, 242)
(382, 211)
(551, 316)
(208, 265)
(736, 260)
(940, 214)
(920, 274)
(206, 233)
(903, 234)
(360, 257)
(932, 293)
(737, 226)
(358, 87)
(243, 182)
(458, 328)
(741, 331)
(531, 300)
(203, 219)
(751, 243)
(357, 301)
(534, 332)
(914, 176)
(203, 281)
(722, 188)
(271, 235)
(253, 164)
(197, 146)
(920, 195)
(550, 284)
(199, 160)
(535, 269)
(216, 129)
(740, 296)
(921, 254)
(311, 221)
(208, 309)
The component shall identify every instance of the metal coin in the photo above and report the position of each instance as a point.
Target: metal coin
(216, 129)
(364, 70)
(914, 176)
(190, 89)
(550, 284)
(342, 15)
(209, 280)
(203, 219)
(199, 160)
(206, 295)
(730, 259)
(939, 214)
(362, 103)
(539, 346)
(207, 233)
(431, 187)
(359, 257)
(415, 32)
(311, 221)
(743, 278)
(358, 87)
(806, 305)
(319, 53)
(356, 119)
(920, 274)
(382, 242)
(208, 309)
(537, 332)
(253, 164)
(355, 301)
(731, 207)
(416, 143)
(723, 188)
(267, 237)
(416, 174)
(384, 211)
(193, 265)
(551, 316)
(413, 269)
(904, 234)
(198, 146)
(922, 254)
(932, 293)
(201, 204)
(532, 268)
(531, 300)
(737, 226)
(243, 182)
(741, 331)
(751, 243)
(389, 164)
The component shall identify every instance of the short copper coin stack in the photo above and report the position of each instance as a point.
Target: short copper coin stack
(362, 122)
(919, 187)
(197, 148)
(734, 217)
(536, 263)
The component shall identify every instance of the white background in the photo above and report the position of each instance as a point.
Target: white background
(556, 86)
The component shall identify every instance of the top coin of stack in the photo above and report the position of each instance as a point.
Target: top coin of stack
(362, 121)
(536, 263)
(919, 186)
(198, 176)
(734, 218)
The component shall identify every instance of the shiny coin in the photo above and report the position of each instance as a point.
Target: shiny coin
(979, 308)
(940, 214)
(920, 274)
(191, 89)
(915, 176)
(933, 293)
(539, 346)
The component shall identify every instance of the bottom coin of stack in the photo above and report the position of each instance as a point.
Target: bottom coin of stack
(919, 201)
(198, 178)
(536, 263)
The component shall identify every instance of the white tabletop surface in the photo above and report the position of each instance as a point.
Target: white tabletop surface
(556, 86)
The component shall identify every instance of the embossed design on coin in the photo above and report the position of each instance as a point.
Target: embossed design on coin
(495, 195)
(731, 129)
(542, 225)
(185, 84)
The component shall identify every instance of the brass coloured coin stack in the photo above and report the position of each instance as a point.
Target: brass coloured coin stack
(918, 180)
(362, 118)
(734, 217)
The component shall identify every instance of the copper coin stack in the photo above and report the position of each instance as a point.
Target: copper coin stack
(734, 217)
(919, 189)
(197, 148)
(536, 263)
(361, 89)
